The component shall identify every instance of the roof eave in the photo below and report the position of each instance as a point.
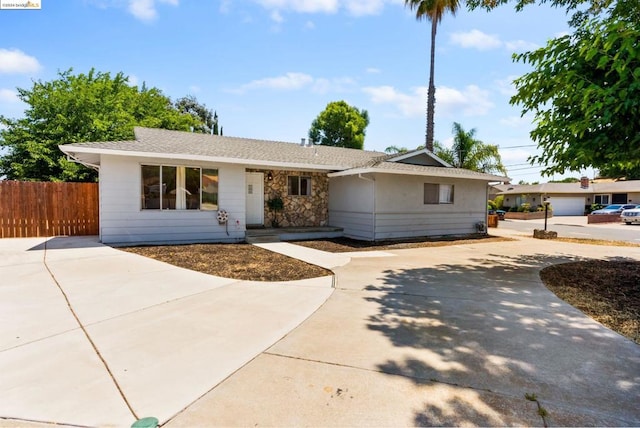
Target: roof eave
(74, 151)
(355, 171)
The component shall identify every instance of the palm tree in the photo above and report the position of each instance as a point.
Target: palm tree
(469, 153)
(432, 10)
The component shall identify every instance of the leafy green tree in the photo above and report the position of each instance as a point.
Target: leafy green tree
(584, 93)
(392, 150)
(433, 11)
(340, 125)
(620, 171)
(566, 180)
(76, 108)
(469, 153)
(207, 118)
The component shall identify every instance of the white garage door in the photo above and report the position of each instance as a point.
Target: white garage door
(567, 206)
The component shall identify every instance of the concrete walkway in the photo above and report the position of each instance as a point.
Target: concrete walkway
(93, 336)
(455, 335)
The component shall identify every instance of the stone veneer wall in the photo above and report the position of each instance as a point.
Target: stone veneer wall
(299, 211)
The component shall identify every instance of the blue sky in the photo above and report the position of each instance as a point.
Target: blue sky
(269, 67)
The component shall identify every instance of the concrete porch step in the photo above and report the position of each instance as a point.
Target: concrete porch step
(261, 239)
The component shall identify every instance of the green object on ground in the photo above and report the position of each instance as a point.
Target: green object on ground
(149, 422)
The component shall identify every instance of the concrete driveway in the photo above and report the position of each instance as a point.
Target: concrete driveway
(454, 335)
(93, 336)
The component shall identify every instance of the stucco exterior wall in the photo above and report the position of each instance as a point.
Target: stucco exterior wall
(122, 220)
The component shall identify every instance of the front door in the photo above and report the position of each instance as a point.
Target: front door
(254, 198)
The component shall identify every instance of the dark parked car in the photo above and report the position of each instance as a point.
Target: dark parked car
(499, 213)
(614, 209)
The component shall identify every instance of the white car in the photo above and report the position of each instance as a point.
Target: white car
(631, 216)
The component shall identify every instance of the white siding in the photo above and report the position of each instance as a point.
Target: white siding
(401, 212)
(122, 221)
(351, 202)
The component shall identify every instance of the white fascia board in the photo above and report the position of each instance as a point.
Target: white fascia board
(417, 152)
(200, 158)
(488, 177)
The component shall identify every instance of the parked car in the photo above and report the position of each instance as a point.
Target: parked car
(614, 209)
(631, 215)
(499, 213)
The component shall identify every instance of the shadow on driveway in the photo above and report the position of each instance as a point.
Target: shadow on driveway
(489, 324)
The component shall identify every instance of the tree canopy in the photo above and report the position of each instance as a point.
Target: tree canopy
(208, 119)
(584, 93)
(340, 125)
(470, 153)
(76, 108)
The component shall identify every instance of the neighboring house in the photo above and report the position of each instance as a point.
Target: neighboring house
(168, 186)
(571, 198)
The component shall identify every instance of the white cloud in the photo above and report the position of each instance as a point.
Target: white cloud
(353, 7)
(301, 6)
(518, 122)
(145, 10)
(287, 82)
(506, 87)
(295, 81)
(8, 96)
(471, 101)
(373, 70)
(194, 89)
(520, 46)
(277, 17)
(410, 105)
(476, 39)
(309, 25)
(16, 61)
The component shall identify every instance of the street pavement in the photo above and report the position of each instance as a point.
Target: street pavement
(577, 227)
(455, 335)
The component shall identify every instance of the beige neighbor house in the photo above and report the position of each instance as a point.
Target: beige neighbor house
(570, 198)
(171, 186)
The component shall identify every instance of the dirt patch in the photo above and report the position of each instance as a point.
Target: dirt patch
(342, 245)
(607, 291)
(238, 261)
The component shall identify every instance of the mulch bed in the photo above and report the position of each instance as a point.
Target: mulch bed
(607, 291)
(342, 245)
(238, 261)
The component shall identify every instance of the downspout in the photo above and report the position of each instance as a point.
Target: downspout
(373, 225)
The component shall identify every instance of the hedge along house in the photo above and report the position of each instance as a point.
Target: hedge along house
(170, 187)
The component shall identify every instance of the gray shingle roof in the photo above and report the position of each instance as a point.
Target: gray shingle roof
(176, 143)
(559, 188)
(184, 145)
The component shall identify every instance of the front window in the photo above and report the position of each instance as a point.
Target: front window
(438, 193)
(299, 186)
(169, 187)
(601, 199)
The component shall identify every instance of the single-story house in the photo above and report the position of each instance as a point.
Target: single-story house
(171, 186)
(571, 198)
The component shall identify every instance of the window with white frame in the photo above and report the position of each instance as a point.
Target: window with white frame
(438, 193)
(298, 186)
(601, 199)
(168, 187)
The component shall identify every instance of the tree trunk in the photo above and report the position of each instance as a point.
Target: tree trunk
(431, 92)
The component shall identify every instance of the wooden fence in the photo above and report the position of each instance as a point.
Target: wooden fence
(29, 209)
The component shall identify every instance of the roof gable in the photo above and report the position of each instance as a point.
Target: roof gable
(419, 157)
